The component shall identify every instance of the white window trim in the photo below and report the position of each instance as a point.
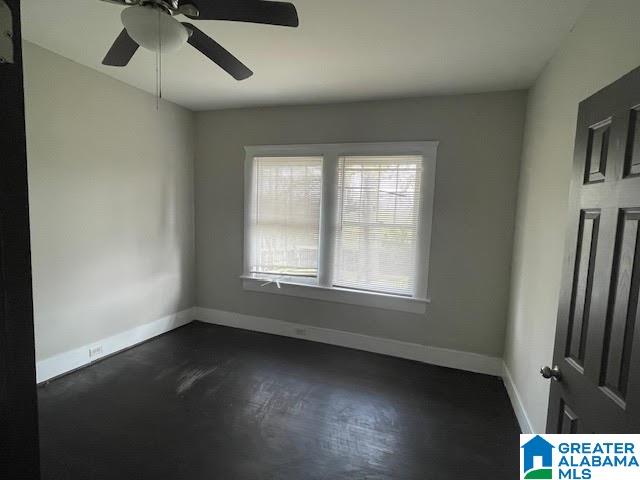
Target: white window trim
(324, 291)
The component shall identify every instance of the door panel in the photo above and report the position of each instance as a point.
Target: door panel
(620, 322)
(568, 420)
(632, 160)
(597, 347)
(597, 153)
(583, 282)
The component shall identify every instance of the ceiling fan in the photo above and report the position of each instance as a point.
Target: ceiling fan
(152, 24)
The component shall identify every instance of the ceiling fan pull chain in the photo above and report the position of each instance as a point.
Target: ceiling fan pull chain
(156, 78)
(159, 63)
(159, 56)
(157, 86)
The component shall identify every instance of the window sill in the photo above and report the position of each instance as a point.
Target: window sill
(337, 295)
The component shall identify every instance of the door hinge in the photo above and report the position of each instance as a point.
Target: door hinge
(6, 33)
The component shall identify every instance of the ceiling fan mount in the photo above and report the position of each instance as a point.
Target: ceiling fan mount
(150, 23)
(172, 7)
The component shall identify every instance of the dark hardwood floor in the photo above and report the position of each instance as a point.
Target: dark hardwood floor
(209, 402)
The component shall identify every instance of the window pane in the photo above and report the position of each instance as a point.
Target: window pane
(377, 223)
(285, 216)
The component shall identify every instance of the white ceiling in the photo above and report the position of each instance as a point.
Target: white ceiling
(344, 49)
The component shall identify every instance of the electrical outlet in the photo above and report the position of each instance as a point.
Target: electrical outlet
(301, 332)
(95, 351)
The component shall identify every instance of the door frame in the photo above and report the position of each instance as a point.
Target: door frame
(19, 455)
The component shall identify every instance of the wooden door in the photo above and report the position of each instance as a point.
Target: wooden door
(19, 453)
(597, 349)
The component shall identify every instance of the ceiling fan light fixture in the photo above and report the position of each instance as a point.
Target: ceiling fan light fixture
(152, 25)
(145, 24)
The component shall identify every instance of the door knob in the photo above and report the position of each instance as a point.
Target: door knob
(552, 373)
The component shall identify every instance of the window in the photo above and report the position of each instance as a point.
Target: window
(284, 225)
(348, 223)
(377, 227)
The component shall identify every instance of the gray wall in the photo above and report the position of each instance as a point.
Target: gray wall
(604, 45)
(473, 220)
(111, 198)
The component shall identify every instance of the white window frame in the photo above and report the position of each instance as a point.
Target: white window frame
(331, 152)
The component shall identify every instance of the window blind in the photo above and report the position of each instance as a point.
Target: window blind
(284, 221)
(378, 209)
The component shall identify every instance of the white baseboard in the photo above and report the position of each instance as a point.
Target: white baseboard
(472, 362)
(516, 402)
(79, 357)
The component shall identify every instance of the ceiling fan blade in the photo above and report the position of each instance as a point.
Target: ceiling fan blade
(118, 2)
(216, 52)
(121, 51)
(254, 11)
